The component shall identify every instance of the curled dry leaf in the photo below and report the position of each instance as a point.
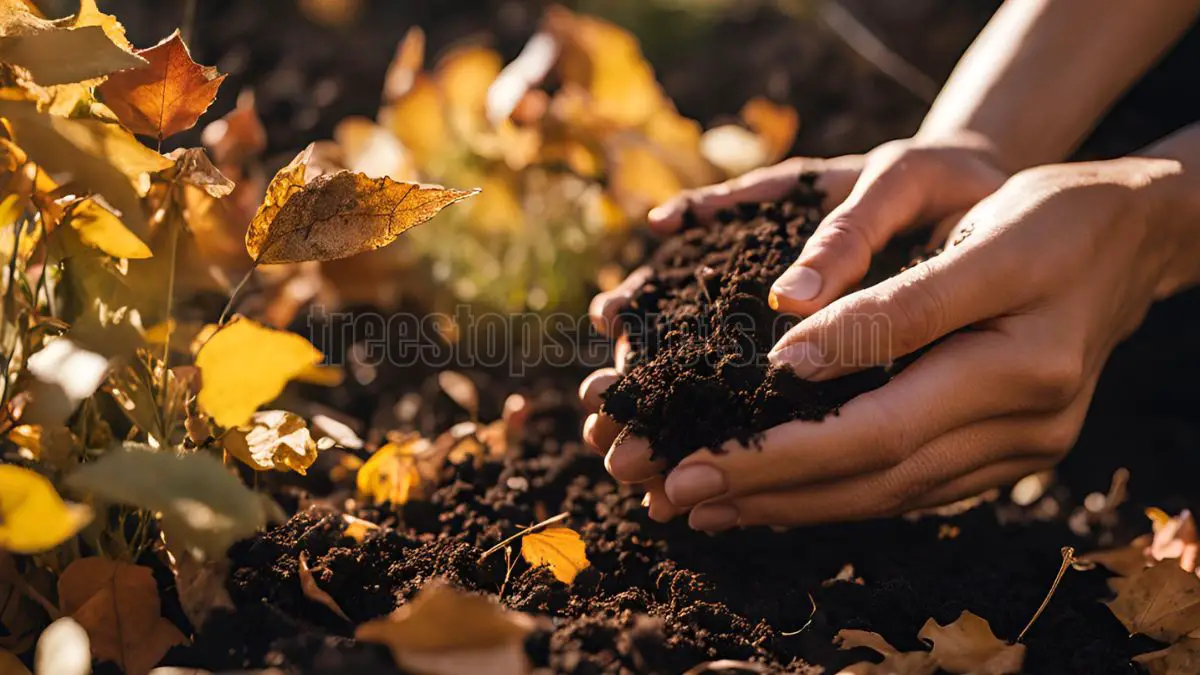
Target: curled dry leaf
(444, 631)
(273, 440)
(559, 548)
(118, 605)
(894, 662)
(968, 646)
(62, 52)
(1181, 658)
(1162, 602)
(167, 96)
(192, 166)
(391, 474)
(337, 215)
(245, 364)
(33, 518)
(308, 585)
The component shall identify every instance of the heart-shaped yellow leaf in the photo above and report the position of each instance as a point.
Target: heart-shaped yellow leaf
(559, 548)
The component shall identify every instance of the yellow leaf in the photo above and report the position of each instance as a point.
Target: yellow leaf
(445, 631)
(337, 215)
(11, 665)
(357, 528)
(370, 149)
(118, 605)
(101, 229)
(559, 548)
(322, 376)
(33, 518)
(1162, 602)
(968, 646)
(90, 15)
(775, 124)
(640, 180)
(391, 474)
(55, 53)
(245, 365)
(464, 76)
(273, 440)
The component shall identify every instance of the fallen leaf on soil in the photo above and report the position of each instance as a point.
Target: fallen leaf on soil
(192, 166)
(11, 665)
(167, 96)
(559, 548)
(308, 585)
(203, 507)
(894, 662)
(357, 528)
(775, 124)
(461, 390)
(391, 473)
(63, 649)
(968, 646)
(1175, 538)
(201, 585)
(103, 230)
(1125, 561)
(1181, 658)
(118, 605)
(273, 440)
(245, 365)
(337, 215)
(57, 53)
(1162, 602)
(33, 518)
(445, 631)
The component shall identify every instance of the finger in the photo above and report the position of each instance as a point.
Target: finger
(965, 458)
(895, 317)
(594, 385)
(606, 307)
(967, 377)
(629, 460)
(835, 178)
(599, 432)
(899, 189)
(660, 509)
(621, 349)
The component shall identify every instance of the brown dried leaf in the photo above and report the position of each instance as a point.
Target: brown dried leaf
(968, 646)
(1181, 658)
(57, 52)
(894, 662)
(273, 440)
(192, 166)
(1125, 561)
(1162, 602)
(308, 584)
(451, 632)
(166, 97)
(118, 604)
(337, 215)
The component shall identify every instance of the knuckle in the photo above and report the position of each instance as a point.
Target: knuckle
(1059, 437)
(845, 237)
(918, 312)
(1058, 380)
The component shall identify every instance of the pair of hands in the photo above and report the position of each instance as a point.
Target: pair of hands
(1050, 268)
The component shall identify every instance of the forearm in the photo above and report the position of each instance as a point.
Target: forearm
(1172, 185)
(1043, 72)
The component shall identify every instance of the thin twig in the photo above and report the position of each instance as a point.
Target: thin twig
(233, 296)
(1068, 557)
(511, 561)
(532, 528)
(166, 358)
(808, 623)
(860, 38)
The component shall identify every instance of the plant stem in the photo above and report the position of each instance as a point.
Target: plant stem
(233, 296)
(166, 357)
(1068, 557)
(549, 521)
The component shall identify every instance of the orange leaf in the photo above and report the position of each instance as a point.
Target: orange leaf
(775, 124)
(166, 97)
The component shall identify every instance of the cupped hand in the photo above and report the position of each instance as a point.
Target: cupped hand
(1039, 282)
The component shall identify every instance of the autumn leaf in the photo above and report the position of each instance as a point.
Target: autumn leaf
(90, 15)
(337, 215)
(418, 119)
(118, 605)
(968, 646)
(167, 96)
(245, 365)
(273, 440)
(391, 473)
(103, 230)
(775, 124)
(372, 150)
(308, 586)
(1175, 538)
(237, 136)
(403, 70)
(203, 507)
(1181, 658)
(640, 179)
(1162, 602)
(58, 53)
(357, 528)
(444, 631)
(193, 167)
(894, 661)
(734, 149)
(559, 548)
(33, 518)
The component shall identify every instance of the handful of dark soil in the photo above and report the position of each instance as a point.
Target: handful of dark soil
(700, 330)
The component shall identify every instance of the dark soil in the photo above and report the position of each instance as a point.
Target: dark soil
(700, 329)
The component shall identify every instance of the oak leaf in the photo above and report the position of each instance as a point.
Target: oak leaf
(167, 96)
(968, 646)
(894, 661)
(245, 364)
(1181, 658)
(559, 548)
(337, 215)
(1162, 602)
(391, 474)
(57, 52)
(444, 631)
(273, 440)
(118, 605)
(33, 518)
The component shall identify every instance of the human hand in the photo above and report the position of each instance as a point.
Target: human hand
(1041, 280)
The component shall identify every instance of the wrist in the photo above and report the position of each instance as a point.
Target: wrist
(974, 143)
(1169, 194)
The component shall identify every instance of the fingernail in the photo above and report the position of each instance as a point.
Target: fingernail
(713, 518)
(689, 485)
(798, 284)
(659, 213)
(803, 358)
(589, 432)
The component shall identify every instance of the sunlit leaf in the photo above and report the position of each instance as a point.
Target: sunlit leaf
(337, 215)
(167, 96)
(273, 440)
(418, 119)
(559, 548)
(968, 646)
(193, 167)
(640, 180)
(245, 365)
(55, 53)
(391, 473)
(33, 518)
(734, 149)
(103, 230)
(90, 15)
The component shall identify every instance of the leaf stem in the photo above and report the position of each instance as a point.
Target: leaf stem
(532, 528)
(1068, 557)
(233, 296)
(166, 357)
